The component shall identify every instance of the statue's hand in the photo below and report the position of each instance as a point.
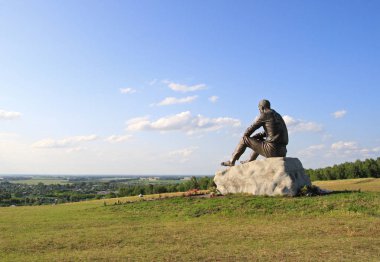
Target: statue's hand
(259, 136)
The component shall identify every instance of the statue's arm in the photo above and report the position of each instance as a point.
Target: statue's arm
(252, 128)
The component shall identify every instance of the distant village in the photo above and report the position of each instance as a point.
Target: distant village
(37, 190)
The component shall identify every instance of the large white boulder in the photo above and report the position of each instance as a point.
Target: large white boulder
(270, 176)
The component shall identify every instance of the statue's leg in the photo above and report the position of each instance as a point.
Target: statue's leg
(257, 145)
(240, 149)
(253, 157)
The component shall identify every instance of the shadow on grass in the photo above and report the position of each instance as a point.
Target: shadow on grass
(343, 192)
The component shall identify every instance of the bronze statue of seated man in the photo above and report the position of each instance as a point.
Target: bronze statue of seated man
(270, 143)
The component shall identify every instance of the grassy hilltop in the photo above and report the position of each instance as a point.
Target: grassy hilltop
(337, 227)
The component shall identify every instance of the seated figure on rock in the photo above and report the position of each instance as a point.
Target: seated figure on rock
(270, 143)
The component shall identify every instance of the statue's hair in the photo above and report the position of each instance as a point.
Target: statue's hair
(264, 103)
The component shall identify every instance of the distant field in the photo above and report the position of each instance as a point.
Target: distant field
(49, 181)
(362, 184)
(157, 182)
(336, 227)
(44, 181)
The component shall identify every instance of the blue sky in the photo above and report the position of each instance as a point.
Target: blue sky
(168, 87)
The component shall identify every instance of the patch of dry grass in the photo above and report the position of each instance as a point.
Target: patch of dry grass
(362, 184)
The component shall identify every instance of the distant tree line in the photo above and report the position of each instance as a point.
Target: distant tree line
(357, 169)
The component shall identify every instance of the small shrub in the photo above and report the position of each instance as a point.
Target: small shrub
(214, 192)
(309, 191)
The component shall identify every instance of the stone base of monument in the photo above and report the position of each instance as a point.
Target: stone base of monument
(271, 176)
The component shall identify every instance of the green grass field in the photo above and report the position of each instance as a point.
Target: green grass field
(336, 227)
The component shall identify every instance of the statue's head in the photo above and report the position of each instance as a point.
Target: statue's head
(263, 105)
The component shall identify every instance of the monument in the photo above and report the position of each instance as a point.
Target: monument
(275, 175)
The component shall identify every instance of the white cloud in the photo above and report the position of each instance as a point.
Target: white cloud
(138, 123)
(9, 115)
(182, 155)
(174, 122)
(341, 145)
(67, 142)
(75, 149)
(127, 90)
(173, 100)
(339, 114)
(351, 150)
(117, 138)
(184, 88)
(183, 121)
(297, 125)
(311, 150)
(341, 150)
(213, 99)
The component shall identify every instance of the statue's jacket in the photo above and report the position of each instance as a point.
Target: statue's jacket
(275, 132)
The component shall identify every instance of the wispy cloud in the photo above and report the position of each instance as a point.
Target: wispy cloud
(127, 90)
(347, 150)
(117, 138)
(138, 123)
(182, 155)
(75, 149)
(344, 145)
(297, 125)
(351, 150)
(339, 114)
(68, 142)
(311, 150)
(184, 88)
(183, 121)
(213, 99)
(173, 100)
(7, 115)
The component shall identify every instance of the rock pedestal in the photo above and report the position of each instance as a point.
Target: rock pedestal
(271, 176)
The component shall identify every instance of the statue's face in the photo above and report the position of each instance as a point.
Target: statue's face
(261, 109)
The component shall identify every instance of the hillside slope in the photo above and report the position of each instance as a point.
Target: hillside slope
(337, 227)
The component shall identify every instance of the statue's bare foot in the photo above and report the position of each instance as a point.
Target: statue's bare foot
(227, 163)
